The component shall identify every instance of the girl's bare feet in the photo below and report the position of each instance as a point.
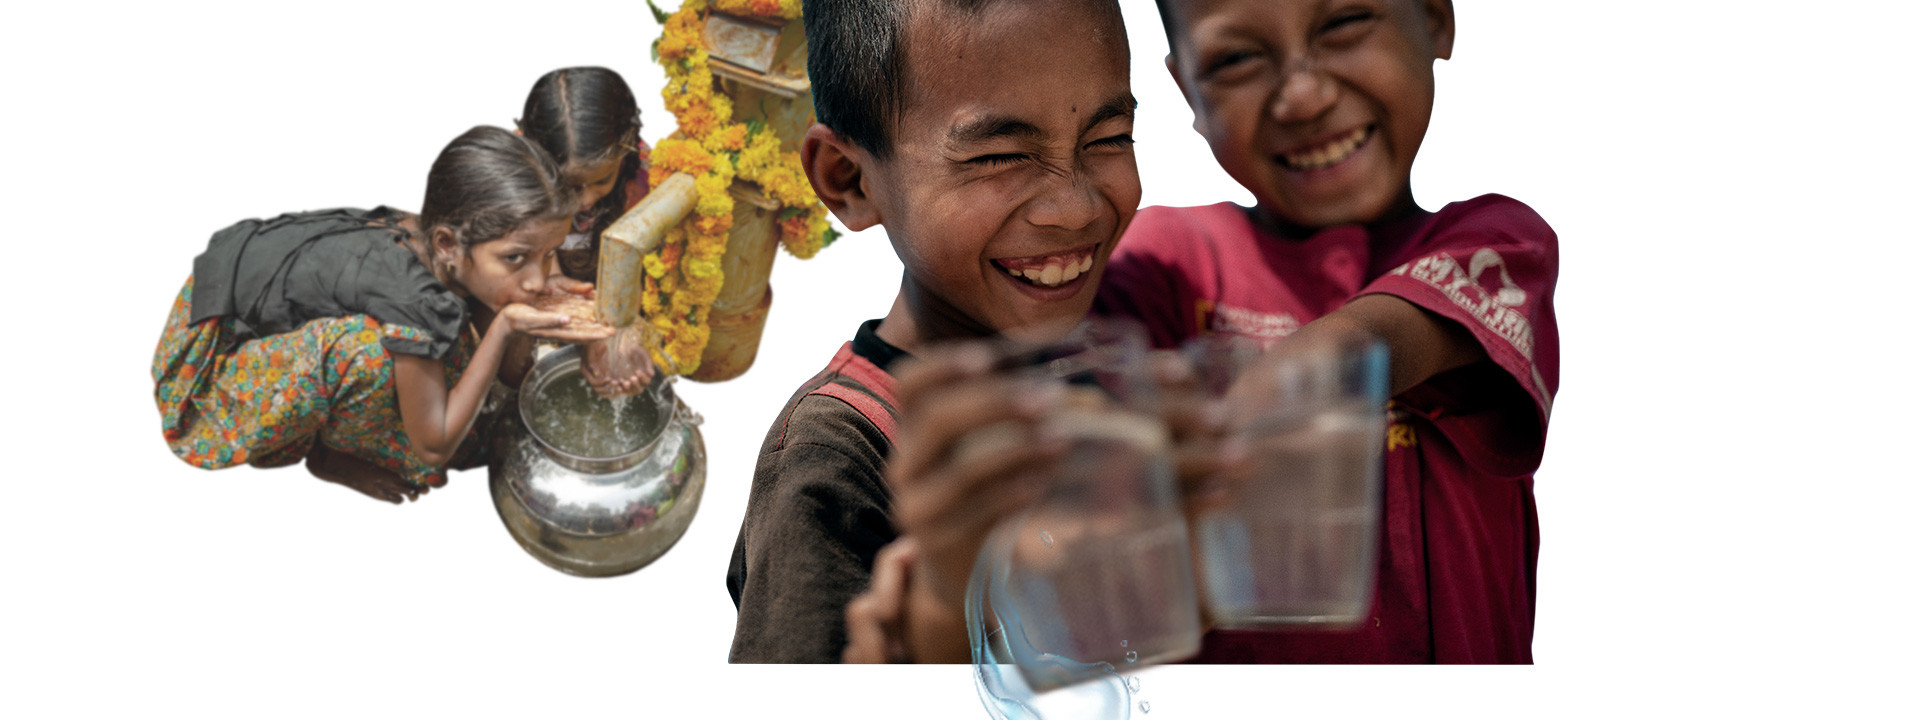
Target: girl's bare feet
(371, 480)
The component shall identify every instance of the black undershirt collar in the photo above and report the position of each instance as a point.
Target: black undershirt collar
(867, 344)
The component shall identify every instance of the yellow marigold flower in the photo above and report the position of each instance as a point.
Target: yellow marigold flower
(702, 268)
(731, 137)
(709, 248)
(800, 247)
(702, 290)
(713, 198)
(684, 277)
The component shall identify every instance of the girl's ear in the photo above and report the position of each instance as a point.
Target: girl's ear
(839, 172)
(446, 247)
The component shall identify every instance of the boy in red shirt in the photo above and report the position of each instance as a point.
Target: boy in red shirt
(1318, 109)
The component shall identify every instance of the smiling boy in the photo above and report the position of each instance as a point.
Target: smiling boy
(991, 138)
(1318, 107)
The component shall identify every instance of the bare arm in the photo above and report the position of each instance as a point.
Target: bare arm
(1419, 343)
(437, 419)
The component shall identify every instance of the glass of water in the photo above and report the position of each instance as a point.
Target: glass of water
(1097, 575)
(1294, 541)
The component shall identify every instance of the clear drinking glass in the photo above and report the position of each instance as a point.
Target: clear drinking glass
(1097, 574)
(1294, 541)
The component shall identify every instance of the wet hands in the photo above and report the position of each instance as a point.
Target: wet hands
(616, 365)
(619, 365)
(522, 318)
(563, 312)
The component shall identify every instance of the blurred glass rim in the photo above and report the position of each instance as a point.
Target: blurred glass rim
(1351, 365)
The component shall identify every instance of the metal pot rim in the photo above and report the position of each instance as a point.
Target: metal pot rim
(567, 358)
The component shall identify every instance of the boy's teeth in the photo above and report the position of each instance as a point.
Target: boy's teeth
(1057, 272)
(1328, 155)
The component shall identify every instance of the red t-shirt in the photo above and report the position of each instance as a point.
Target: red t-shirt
(1460, 536)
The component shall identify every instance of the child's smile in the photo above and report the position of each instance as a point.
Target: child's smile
(1012, 172)
(1317, 108)
(1049, 271)
(1326, 154)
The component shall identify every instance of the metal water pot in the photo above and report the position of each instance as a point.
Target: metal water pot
(597, 516)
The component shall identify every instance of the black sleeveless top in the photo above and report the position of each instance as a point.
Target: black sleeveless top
(272, 276)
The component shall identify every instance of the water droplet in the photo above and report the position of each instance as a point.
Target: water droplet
(1144, 707)
(1133, 683)
(1047, 537)
(1133, 656)
(1123, 643)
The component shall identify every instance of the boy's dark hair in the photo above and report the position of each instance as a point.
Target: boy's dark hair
(856, 60)
(1166, 23)
(856, 66)
(489, 181)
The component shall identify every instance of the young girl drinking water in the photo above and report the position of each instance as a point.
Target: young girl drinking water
(586, 118)
(366, 341)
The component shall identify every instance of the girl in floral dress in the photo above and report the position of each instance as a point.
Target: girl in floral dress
(366, 341)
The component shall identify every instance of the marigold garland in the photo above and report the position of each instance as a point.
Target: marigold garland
(683, 275)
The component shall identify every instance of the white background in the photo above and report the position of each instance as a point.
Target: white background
(1724, 499)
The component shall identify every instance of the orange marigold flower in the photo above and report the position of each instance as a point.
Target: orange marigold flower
(713, 225)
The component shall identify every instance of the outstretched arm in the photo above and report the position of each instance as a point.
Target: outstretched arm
(1420, 344)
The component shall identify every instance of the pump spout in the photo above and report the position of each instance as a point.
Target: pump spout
(629, 239)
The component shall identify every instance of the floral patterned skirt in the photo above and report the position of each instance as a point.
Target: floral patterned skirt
(266, 401)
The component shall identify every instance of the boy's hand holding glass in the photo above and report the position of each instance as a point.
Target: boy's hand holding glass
(1095, 575)
(877, 618)
(963, 458)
